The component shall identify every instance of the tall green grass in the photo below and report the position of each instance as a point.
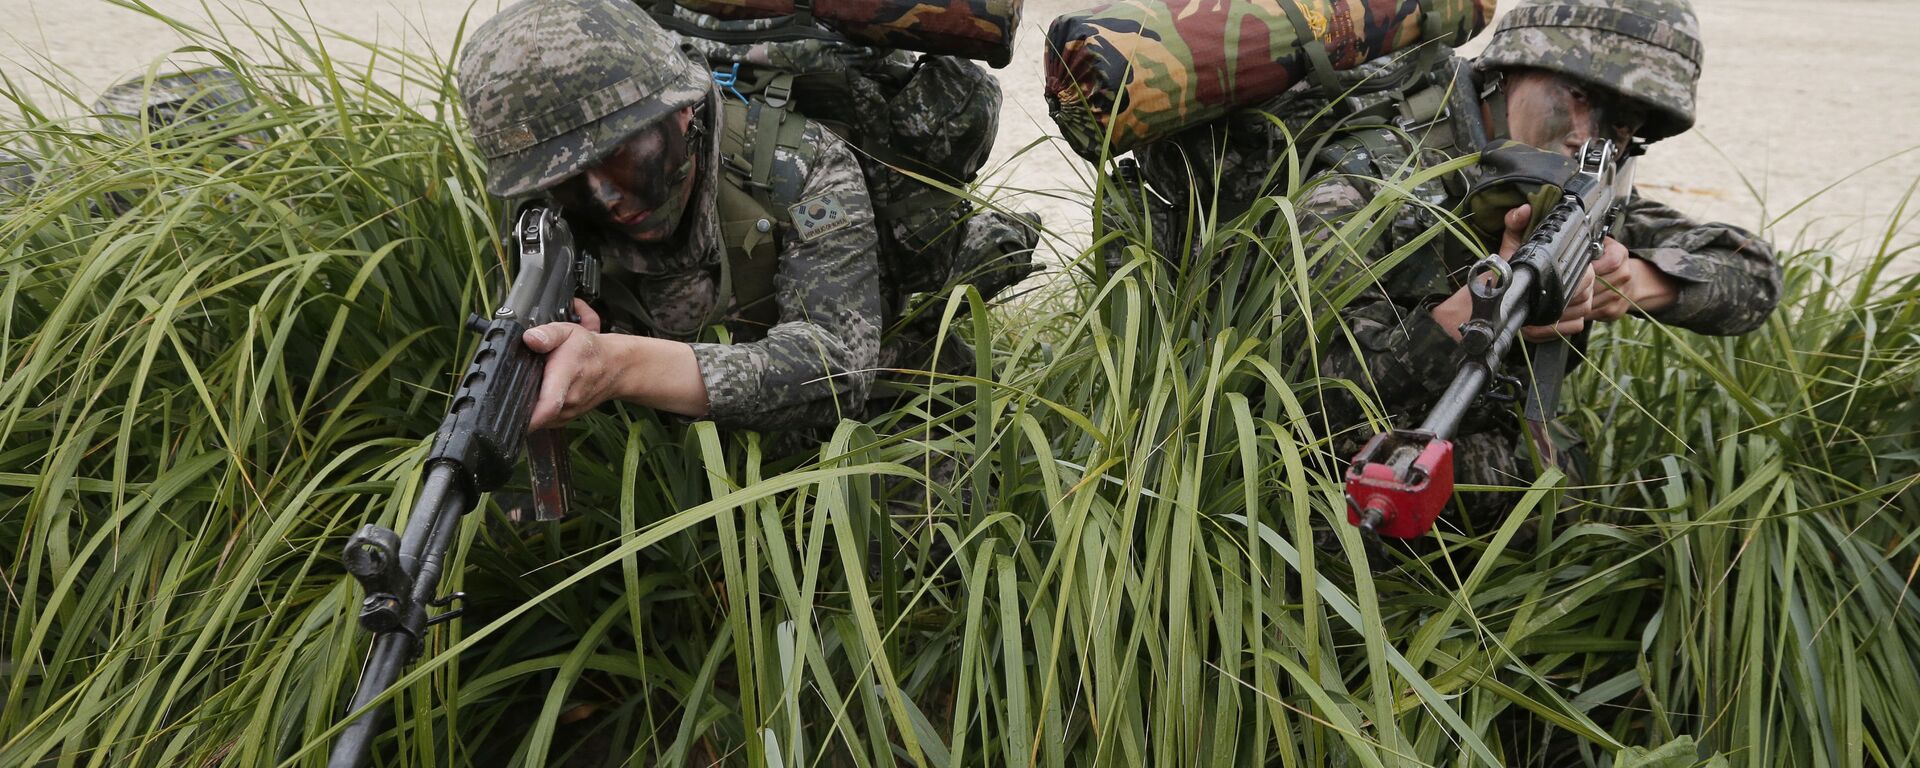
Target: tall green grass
(203, 396)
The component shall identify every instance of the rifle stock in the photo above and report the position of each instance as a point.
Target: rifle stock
(474, 452)
(1398, 484)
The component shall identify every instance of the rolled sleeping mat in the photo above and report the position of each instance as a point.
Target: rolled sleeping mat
(973, 29)
(1145, 69)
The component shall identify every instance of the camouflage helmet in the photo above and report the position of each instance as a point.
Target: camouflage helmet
(1646, 50)
(553, 86)
(195, 98)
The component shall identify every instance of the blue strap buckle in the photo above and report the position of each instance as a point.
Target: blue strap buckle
(728, 79)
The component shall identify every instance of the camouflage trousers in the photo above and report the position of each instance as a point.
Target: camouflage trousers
(1506, 457)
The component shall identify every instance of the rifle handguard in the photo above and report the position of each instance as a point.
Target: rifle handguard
(487, 424)
(1399, 483)
(1553, 280)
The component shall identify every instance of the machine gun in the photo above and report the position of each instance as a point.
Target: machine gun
(474, 452)
(1399, 482)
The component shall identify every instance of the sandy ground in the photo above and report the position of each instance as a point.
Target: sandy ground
(1799, 99)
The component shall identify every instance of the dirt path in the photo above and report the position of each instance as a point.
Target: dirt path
(1796, 97)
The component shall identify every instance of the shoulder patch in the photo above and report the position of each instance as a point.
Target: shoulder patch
(819, 216)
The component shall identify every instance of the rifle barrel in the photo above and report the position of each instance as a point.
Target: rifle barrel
(1473, 377)
(435, 517)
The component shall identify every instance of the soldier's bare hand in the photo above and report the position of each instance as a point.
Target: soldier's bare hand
(578, 376)
(1612, 258)
(1637, 284)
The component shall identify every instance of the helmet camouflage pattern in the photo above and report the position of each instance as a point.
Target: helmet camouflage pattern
(1646, 50)
(553, 86)
(198, 98)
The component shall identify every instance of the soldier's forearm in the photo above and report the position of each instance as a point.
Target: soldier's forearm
(658, 374)
(1455, 311)
(800, 375)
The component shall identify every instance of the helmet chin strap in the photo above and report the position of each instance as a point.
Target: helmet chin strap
(1493, 93)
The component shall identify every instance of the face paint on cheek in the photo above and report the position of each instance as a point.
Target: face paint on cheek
(1541, 111)
(653, 178)
(666, 216)
(1556, 124)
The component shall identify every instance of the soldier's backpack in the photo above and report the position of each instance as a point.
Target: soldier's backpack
(1124, 74)
(1351, 122)
(921, 126)
(1324, 122)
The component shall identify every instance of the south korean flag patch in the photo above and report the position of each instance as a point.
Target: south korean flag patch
(820, 216)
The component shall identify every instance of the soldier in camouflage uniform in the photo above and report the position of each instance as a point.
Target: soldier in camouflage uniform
(1555, 73)
(193, 100)
(16, 175)
(591, 102)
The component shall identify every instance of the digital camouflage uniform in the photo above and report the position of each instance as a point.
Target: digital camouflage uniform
(1729, 280)
(522, 78)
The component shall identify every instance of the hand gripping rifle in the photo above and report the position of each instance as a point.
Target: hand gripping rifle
(1398, 483)
(474, 452)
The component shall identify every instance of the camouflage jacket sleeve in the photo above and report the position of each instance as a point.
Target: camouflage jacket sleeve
(1729, 280)
(816, 365)
(1387, 341)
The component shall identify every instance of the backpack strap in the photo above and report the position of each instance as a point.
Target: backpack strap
(1319, 66)
(753, 202)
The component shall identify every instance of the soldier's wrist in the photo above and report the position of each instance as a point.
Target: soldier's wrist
(658, 373)
(1654, 290)
(1452, 312)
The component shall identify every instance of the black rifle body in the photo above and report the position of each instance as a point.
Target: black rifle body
(474, 452)
(1397, 485)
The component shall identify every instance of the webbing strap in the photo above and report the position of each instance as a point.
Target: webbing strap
(803, 12)
(1463, 109)
(1432, 24)
(746, 274)
(1319, 66)
(764, 121)
(1493, 93)
(752, 252)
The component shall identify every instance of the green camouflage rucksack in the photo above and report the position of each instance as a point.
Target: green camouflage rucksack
(921, 126)
(1400, 93)
(1646, 50)
(1347, 121)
